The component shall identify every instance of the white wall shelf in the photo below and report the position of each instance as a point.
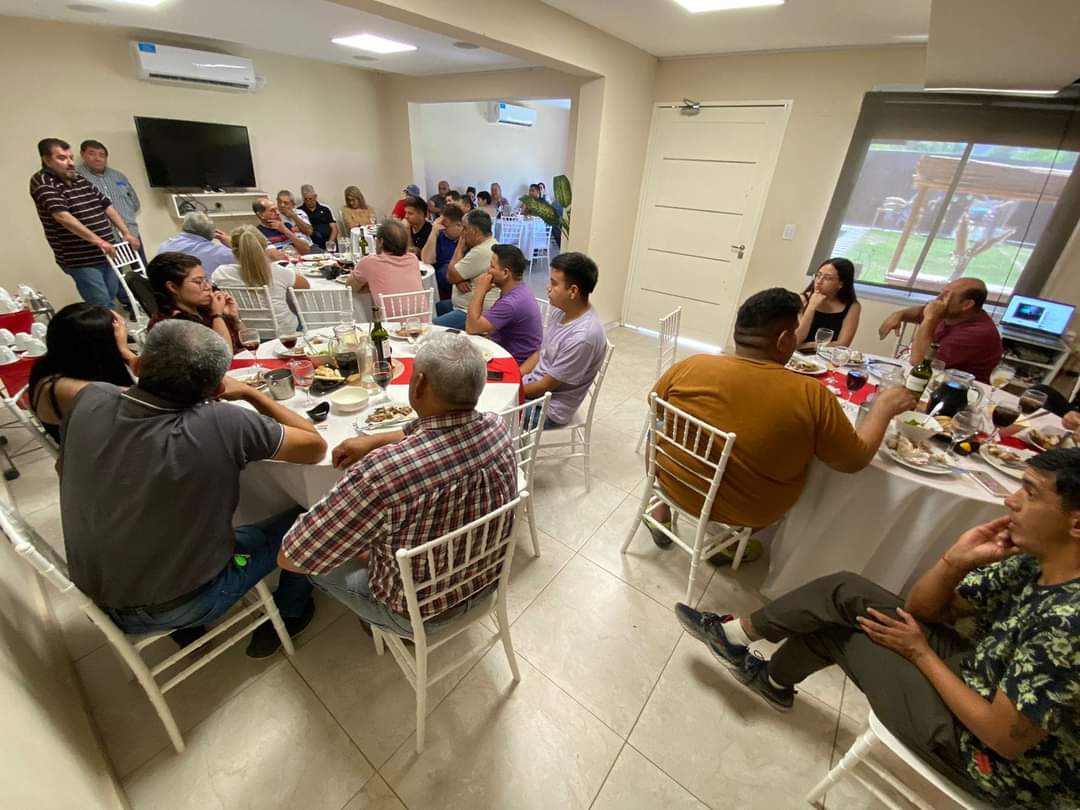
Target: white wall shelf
(217, 204)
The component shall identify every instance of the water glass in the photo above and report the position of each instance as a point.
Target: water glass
(937, 368)
(965, 424)
(822, 338)
(303, 372)
(841, 356)
(331, 246)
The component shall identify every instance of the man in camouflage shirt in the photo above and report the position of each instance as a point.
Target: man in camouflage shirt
(995, 709)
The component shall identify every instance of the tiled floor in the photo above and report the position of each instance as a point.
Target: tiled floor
(616, 707)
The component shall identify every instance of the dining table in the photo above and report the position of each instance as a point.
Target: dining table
(531, 235)
(887, 522)
(361, 300)
(268, 487)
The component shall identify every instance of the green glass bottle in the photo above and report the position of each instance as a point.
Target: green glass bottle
(919, 376)
(380, 338)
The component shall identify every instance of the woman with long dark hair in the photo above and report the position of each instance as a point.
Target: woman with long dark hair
(829, 302)
(85, 342)
(183, 291)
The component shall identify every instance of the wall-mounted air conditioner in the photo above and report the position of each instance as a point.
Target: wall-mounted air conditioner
(499, 112)
(164, 63)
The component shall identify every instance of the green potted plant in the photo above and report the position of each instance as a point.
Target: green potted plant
(547, 212)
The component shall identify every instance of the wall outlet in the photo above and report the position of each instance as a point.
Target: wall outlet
(789, 231)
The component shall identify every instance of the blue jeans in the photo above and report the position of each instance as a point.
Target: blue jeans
(260, 544)
(97, 283)
(454, 319)
(532, 416)
(348, 583)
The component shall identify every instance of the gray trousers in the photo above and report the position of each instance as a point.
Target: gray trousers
(817, 625)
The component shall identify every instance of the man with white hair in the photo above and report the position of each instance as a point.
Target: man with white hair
(446, 469)
(323, 225)
(196, 238)
(153, 543)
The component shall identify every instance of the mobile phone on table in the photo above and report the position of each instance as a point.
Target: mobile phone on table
(495, 375)
(990, 484)
(453, 331)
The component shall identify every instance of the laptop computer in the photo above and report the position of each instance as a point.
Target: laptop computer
(1037, 317)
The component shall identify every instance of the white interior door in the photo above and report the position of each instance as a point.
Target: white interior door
(707, 176)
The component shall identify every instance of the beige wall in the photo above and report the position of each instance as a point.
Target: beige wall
(48, 754)
(827, 89)
(96, 95)
(460, 145)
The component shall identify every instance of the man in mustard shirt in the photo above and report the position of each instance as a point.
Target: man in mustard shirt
(782, 420)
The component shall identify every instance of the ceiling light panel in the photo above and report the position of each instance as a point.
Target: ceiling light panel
(700, 6)
(373, 44)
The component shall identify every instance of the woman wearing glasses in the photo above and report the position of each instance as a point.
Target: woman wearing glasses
(829, 303)
(182, 290)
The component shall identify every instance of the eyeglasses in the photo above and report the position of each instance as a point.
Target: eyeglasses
(200, 281)
(826, 277)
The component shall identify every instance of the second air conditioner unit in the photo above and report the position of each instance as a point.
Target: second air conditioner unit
(165, 63)
(499, 112)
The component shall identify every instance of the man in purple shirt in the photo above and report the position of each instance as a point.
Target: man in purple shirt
(967, 338)
(514, 320)
(574, 341)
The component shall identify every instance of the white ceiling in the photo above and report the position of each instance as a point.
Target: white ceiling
(666, 29)
(296, 27)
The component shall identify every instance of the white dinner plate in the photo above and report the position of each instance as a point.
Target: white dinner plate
(395, 336)
(819, 367)
(1028, 435)
(930, 469)
(316, 257)
(246, 375)
(361, 425)
(1001, 466)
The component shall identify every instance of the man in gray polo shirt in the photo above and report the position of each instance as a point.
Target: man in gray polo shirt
(152, 542)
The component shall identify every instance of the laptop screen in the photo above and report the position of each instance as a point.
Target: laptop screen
(1038, 314)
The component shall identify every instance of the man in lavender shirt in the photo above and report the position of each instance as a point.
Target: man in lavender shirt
(514, 320)
(574, 342)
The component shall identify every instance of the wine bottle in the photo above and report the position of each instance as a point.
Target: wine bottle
(380, 338)
(919, 376)
(363, 243)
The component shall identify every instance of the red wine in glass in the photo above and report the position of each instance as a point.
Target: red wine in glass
(1004, 415)
(289, 341)
(856, 379)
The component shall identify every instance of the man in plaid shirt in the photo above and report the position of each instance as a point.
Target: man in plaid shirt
(444, 470)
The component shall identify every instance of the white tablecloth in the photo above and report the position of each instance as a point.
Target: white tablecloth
(362, 300)
(888, 523)
(531, 236)
(270, 487)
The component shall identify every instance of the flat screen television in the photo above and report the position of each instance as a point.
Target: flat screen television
(195, 154)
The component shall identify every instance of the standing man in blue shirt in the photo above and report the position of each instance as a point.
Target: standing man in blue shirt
(113, 184)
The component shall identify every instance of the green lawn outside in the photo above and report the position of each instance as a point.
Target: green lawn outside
(1001, 265)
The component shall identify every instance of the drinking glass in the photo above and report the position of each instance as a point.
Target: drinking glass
(1002, 416)
(413, 328)
(822, 338)
(303, 372)
(856, 379)
(331, 246)
(965, 424)
(382, 371)
(1031, 401)
(1001, 376)
(289, 339)
(937, 375)
(249, 339)
(841, 356)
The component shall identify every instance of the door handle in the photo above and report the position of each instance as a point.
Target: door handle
(739, 249)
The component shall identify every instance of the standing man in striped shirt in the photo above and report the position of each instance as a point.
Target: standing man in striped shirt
(112, 183)
(78, 221)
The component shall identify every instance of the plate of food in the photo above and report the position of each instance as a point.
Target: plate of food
(248, 376)
(1049, 439)
(400, 332)
(316, 257)
(810, 366)
(385, 417)
(922, 457)
(1009, 460)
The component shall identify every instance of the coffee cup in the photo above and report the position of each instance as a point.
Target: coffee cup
(38, 330)
(22, 341)
(6, 338)
(35, 348)
(7, 356)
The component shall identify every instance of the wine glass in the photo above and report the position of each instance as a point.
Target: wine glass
(249, 339)
(303, 372)
(289, 339)
(965, 424)
(822, 338)
(382, 371)
(1002, 416)
(1001, 376)
(1031, 401)
(331, 246)
(856, 379)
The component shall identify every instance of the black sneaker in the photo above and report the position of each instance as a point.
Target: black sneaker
(755, 674)
(728, 653)
(658, 537)
(701, 625)
(187, 635)
(265, 642)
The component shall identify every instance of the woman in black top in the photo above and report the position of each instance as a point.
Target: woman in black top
(829, 303)
(85, 342)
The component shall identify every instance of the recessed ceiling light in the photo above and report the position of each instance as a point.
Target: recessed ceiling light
(698, 6)
(86, 8)
(466, 46)
(362, 58)
(370, 42)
